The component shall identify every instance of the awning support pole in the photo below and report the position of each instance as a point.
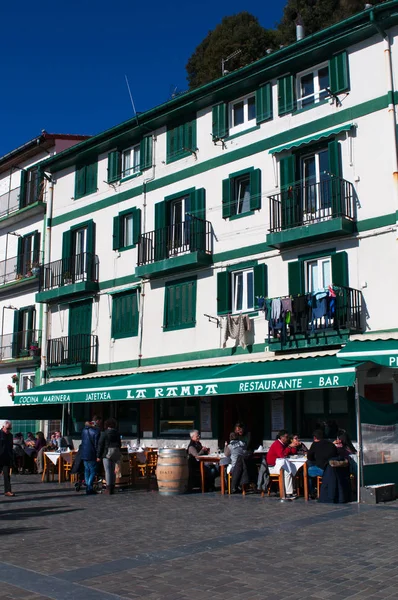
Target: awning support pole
(359, 438)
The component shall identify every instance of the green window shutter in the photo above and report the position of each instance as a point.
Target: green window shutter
(161, 233)
(16, 339)
(264, 103)
(136, 225)
(36, 247)
(255, 189)
(220, 121)
(114, 166)
(91, 178)
(80, 182)
(198, 225)
(189, 140)
(67, 244)
(296, 278)
(336, 185)
(286, 95)
(226, 198)
(340, 269)
(146, 153)
(198, 203)
(39, 186)
(22, 188)
(125, 315)
(180, 305)
(290, 200)
(116, 233)
(224, 300)
(339, 74)
(260, 282)
(19, 256)
(172, 141)
(90, 237)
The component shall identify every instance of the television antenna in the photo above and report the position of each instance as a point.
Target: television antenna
(131, 98)
(224, 60)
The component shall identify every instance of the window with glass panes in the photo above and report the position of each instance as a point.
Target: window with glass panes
(177, 416)
(241, 191)
(318, 274)
(242, 114)
(131, 161)
(312, 86)
(242, 290)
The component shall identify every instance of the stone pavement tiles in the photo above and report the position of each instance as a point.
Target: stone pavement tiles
(61, 545)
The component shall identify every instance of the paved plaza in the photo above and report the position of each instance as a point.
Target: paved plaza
(63, 545)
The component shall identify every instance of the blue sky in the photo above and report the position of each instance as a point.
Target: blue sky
(64, 62)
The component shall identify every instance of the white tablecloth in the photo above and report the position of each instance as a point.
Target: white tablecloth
(291, 465)
(54, 456)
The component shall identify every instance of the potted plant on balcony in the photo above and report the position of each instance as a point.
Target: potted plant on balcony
(14, 378)
(34, 349)
(67, 278)
(35, 269)
(10, 390)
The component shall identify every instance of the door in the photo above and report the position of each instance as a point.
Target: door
(316, 189)
(79, 254)
(179, 231)
(79, 339)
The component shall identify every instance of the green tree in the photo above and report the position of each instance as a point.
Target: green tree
(238, 32)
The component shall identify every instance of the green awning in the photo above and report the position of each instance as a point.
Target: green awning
(381, 352)
(312, 138)
(240, 378)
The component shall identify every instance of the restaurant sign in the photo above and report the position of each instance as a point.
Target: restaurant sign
(89, 391)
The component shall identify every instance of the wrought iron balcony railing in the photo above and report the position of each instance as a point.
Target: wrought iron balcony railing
(80, 349)
(305, 203)
(18, 268)
(20, 344)
(74, 269)
(17, 198)
(344, 313)
(192, 235)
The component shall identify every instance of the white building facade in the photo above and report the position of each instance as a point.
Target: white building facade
(275, 186)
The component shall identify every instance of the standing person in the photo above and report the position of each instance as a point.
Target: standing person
(109, 451)
(88, 453)
(6, 456)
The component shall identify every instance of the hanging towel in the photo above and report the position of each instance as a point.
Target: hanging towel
(276, 309)
(237, 329)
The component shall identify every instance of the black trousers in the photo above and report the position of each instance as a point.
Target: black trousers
(7, 481)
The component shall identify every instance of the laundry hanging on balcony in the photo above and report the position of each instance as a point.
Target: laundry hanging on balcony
(238, 329)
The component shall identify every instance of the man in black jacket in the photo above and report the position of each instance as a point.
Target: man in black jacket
(318, 456)
(6, 456)
(88, 452)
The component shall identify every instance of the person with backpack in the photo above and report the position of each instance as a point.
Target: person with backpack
(88, 453)
(109, 452)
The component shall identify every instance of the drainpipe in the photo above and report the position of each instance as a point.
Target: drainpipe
(143, 284)
(391, 105)
(46, 260)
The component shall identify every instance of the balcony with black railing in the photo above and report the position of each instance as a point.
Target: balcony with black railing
(317, 322)
(30, 195)
(72, 355)
(312, 211)
(20, 345)
(21, 269)
(66, 276)
(175, 247)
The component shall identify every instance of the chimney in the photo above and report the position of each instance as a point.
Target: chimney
(300, 33)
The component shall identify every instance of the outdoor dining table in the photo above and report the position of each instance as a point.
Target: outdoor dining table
(61, 458)
(211, 458)
(292, 465)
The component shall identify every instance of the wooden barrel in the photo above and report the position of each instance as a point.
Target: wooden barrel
(172, 471)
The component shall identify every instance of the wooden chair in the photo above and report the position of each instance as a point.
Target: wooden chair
(67, 467)
(318, 485)
(49, 470)
(273, 478)
(229, 481)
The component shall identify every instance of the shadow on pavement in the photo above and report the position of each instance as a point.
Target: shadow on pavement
(37, 511)
(13, 530)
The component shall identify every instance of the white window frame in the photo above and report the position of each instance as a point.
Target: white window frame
(320, 263)
(246, 123)
(29, 378)
(134, 155)
(125, 218)
(319, 191)
(317, 91)
(239, 202)
(234, 290)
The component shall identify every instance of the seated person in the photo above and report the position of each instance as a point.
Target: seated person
(301, 447)
(318, 456)
(237, 451)
(282, 449)
(346, 449)
(243, 436)
(195, 449)
(58, 441)
(19, 451)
